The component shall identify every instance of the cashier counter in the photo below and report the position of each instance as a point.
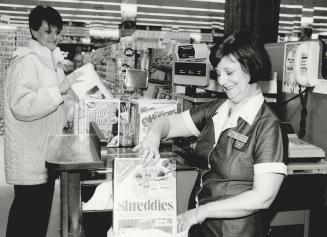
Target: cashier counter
(84, 161)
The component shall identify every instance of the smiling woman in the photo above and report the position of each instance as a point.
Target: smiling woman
(33, 110)
(242, 63)
(239, 141)
(46, 25)
(48, 36)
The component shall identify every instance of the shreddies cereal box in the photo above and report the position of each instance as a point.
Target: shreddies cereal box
(144, 198)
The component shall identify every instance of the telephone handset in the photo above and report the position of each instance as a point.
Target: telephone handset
(306, 63)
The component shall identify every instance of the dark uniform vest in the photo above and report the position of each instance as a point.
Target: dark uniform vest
(228, 165)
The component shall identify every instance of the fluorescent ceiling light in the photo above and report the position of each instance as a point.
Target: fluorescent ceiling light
(320, 24)
(320, 8)
(174, 21)
(320, 17)
(16, 5)
(85, 2)
(61, 8)
(291, 6)
(290, 15)
(88, 16)
(19, 17)
(87, 10)
(179, 15)
(307, 9)
(91, 21)
(181, 8)
(288, 22)
(11, 12)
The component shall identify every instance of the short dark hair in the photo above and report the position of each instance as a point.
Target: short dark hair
(44, 13)
(250, 53)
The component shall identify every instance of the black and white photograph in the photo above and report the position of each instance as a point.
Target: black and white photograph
(163, 118)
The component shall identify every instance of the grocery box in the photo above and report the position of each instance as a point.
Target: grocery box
(105, 113)
(145, 202)
(145, 111)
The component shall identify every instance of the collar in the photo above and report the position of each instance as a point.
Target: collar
(247, 109)
(50, 58)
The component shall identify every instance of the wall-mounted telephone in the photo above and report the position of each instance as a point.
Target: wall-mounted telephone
(296, 63)
(307, 61)
(300, 150)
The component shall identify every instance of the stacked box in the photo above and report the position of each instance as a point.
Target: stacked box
(145, 111)
(125, 136)
(94, 103)
(105, 113)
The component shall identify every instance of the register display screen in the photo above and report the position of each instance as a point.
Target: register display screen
(191, 73)
(190, 69)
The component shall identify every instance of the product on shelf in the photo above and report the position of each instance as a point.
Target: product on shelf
(105, 64)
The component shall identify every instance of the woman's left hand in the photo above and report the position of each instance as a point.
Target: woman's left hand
(186, 220)
(69, 81)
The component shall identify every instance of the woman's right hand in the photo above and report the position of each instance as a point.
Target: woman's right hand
(149, 148)
(69, 81)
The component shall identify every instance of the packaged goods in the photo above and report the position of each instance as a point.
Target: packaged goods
(125, 136)
(91, 83)
(145, 111)
(144, 198)
(94, 103)
(105, 113)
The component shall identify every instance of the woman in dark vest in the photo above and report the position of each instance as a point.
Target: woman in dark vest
(239, 139)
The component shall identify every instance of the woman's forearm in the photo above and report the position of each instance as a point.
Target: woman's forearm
(234, 207)
(261, 196)
(159, 128)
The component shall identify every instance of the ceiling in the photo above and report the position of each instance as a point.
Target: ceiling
(295, 15)
(182, 15)
(178, 15)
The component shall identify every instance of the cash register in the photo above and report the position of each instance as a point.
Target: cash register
(191, 70)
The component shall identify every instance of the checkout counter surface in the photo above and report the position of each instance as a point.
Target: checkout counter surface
(72, 152)
(71, 155)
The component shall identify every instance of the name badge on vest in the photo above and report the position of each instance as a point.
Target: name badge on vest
(240, 140)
